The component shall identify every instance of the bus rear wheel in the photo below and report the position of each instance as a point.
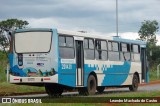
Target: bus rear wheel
(91, 87)
(100, 89)
(53, 89)
(135, 82)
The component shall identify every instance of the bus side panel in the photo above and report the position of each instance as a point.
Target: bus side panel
(135, 67)
(67, 73)
(116, 74)
(110, 73)
(88, 68)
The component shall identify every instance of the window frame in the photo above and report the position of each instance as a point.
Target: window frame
(88, 48)
(118, 51)
(14, 45)
(133, 52)
(59, 46)
(102, 49)
(121, 51)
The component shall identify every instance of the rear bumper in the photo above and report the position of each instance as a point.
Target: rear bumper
(17, 79)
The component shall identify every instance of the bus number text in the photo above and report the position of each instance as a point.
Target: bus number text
(66, 66)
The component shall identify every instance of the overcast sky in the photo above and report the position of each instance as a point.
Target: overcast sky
(97, 16)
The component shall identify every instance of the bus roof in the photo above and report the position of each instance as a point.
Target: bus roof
(81, 34)
(32, 29)
(90, 35)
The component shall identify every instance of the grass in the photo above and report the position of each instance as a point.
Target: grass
(153, 76)
(8, 89)
(3, 65)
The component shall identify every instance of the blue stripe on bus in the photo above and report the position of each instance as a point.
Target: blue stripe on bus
(11, 57)
(117, 74)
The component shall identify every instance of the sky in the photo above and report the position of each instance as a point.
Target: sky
(93, 16)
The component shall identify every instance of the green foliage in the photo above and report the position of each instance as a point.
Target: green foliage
(148, 30)
(153, 75)
(3, 65)
(147, 33)
(11, 24)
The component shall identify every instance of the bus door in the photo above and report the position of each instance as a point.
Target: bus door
(79, 62)
(144, 64)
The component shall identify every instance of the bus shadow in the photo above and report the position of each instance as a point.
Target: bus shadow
(105, 93)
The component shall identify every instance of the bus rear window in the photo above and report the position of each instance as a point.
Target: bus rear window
(31, 42)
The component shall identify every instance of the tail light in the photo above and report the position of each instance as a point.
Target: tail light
(20, 59)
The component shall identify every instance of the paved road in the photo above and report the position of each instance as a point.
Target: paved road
(145, 88)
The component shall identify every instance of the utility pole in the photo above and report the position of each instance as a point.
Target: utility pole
(117, 17)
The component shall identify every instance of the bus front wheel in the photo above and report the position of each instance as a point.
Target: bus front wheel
(53, 89)
(135, 82)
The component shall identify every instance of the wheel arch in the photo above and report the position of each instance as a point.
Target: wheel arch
(95, 75)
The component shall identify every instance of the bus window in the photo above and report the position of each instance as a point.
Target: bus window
(26, 42)
(69, 41)
(89, 48)
(125, 52)
(135, 55)
(101, 50)
(113, 51)
(66, 47)
(114, 46)
(86, 44)
(62, 41)
(109, 46)
(91, 44)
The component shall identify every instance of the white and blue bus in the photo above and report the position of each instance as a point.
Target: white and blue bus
(60, 60)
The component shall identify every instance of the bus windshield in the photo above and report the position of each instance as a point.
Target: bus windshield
(32, 42)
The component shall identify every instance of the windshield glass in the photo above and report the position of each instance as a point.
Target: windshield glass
(31, 42)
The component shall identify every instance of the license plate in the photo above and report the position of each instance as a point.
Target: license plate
(31, 79)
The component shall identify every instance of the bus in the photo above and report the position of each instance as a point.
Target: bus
(61, 60)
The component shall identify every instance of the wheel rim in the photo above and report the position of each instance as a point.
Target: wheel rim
(135, 85)
(91, 84)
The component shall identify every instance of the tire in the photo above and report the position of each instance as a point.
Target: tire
(91, 87)
(53, 89)
(134, 85)
(100, 89)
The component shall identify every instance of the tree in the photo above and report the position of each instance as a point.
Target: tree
(6, 27)
(148, 31)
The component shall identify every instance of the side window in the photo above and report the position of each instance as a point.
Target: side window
(86, 44)
(62, 41)
(135, 48)
(89, 48)
(110, 46)
(66, 47)
(125, 52)
(113, 51)
(91, 44)
(135, 55)
(100, 50)
(69, 41)
(114, 46)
